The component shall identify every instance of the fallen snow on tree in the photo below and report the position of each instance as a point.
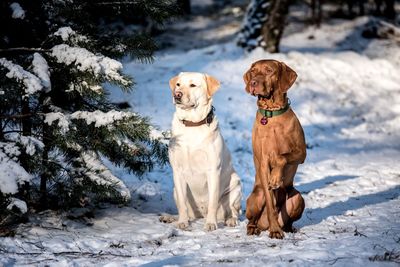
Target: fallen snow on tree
(68, 34)
(30, 143)
(31, 83)
(17, 11)
(85, 60)
(65, 33)
(11, 173)
(101, 175)
(41, 69)
(19, 204)
(100, 118)
(61, 119)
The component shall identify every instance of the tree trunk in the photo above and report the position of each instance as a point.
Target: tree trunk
(389, 12)
(273, 28)
(185, 6)
(44, 175)
(1, 130)
(43, 179)
(378, 6)
(24, 189)
(361, 7)
(316, 12)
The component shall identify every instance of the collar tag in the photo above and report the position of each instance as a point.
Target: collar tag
(264, 120)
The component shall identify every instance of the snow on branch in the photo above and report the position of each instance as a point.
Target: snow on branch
(17, 11)
(100, 118)
(85, 60)
(31, 82)
(41, 69)
(31, 144)
(19, 204)
(12, 173)
(157, 135)
(68, 34)
(63, 120)
(101, 175)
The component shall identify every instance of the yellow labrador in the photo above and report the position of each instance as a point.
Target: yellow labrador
(205, 183)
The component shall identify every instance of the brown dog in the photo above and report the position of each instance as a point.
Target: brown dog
(278, 148)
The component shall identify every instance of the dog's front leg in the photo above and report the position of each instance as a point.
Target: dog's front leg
(180, 195)
(213, 200)
(275, 231)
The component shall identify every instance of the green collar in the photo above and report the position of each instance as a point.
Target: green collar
(272, 113)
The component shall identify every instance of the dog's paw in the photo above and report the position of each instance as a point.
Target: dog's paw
(275, 184)
(253, 230)
(231, 222)
(182, 225)
(210, 227)
(276, 232)
(166, 219)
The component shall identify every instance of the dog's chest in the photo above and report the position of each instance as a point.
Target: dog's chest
(190, 160)
(270, 138)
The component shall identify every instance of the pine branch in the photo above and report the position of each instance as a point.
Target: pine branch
(118, 3)
(7, 132)
(24, 49)
(18, 116)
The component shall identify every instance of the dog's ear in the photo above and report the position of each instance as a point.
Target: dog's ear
(172, 82)
(247, 78)
(287, 77)
(212, 84)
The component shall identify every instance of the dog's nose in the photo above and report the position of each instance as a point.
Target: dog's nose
(253, 83)
(178, 95)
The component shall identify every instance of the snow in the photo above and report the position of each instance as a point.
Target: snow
(41, 69)
(100, 118)
(68, 34)
(17, 11)
(64, 33)
(101, 175)
(61, 118)
(348, 105)
(85, 60)
(19, 204)
(31, 82)
(28, 142)
(11, 173)
(158, 135)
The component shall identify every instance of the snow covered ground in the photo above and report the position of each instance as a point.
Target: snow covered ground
(349, 105)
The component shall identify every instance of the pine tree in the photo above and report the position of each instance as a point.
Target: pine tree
(249, 36)
(263, 25)
(57, 122)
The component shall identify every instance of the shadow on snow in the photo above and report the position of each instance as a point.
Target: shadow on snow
(317, 215)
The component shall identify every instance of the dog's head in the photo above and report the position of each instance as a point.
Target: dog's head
(268, 77)
(191, 89)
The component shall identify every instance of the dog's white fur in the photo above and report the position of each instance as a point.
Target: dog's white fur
(205, 183)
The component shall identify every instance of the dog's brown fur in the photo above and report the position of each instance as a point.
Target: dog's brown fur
(278, 148)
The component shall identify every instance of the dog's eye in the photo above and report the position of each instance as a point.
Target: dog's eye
(178, 84)
(192, 85)
(268, 71)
